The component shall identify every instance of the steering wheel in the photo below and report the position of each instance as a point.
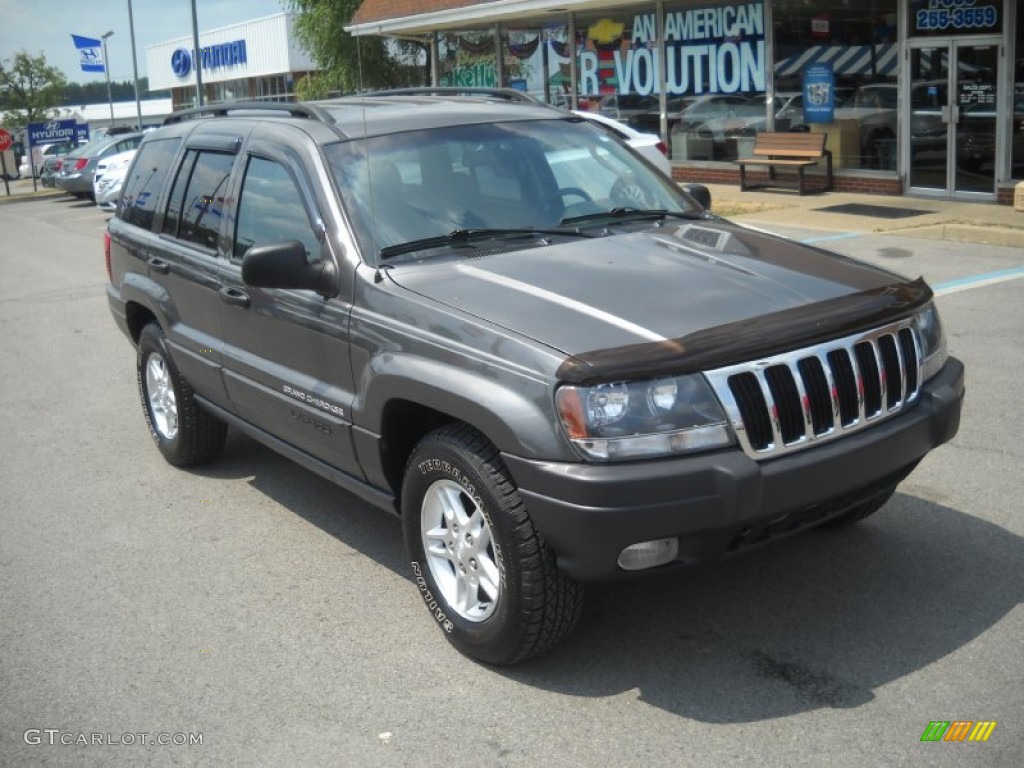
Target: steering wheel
(627, 190)
(550, 200)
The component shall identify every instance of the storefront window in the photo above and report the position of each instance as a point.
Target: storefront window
(535, 59)
(468, 59)
(715, 78)
(1017, 134)
(617, 66)
(835, 73)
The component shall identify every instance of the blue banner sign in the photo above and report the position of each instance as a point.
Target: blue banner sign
(82, 132)
(51, 132)
(819, 93)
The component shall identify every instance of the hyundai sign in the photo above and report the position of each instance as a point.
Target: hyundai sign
(51, 133)
(210, 57)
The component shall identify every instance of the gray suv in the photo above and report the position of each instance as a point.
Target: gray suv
(498, 323)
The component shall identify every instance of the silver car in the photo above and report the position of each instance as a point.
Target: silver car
(109, 177)
(79, 166)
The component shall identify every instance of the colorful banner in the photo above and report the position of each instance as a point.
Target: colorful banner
(710, 49)
(90, 51)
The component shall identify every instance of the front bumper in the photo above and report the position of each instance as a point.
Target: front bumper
(723, 502)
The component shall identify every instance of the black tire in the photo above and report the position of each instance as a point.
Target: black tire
(182, 430)
(518, 604)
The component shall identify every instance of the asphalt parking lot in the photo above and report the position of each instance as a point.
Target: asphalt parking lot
(266, 612)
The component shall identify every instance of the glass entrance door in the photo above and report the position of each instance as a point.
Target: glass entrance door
(952, 135)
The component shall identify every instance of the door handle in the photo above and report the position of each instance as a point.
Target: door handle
(235, 296)
(159, 265)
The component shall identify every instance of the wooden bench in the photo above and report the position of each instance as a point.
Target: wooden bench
(787, 150)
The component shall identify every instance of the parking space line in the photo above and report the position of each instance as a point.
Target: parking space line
(977, 281)
(827, 238)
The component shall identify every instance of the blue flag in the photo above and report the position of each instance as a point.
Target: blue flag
(91, 51)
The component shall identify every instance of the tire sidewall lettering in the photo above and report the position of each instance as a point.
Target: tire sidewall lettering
(428, 466)
(432, 603)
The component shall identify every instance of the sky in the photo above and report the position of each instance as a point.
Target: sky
(46, 26)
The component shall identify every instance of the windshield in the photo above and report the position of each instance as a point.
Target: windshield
(529, 175)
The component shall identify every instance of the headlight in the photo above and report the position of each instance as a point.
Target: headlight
(638, 419)
(933, 341)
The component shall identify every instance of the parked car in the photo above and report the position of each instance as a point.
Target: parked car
(496, 323)
(109, 177)
(647, 144)
(48, 171)
(78, 168)
(46, 157)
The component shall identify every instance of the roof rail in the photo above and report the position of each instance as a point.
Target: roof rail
(506, 94)
(235, 108)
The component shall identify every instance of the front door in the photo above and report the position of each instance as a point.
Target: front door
(286, 352)
(951, 141)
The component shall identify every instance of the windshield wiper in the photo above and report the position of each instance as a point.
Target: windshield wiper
(627, 212)
(461, 237)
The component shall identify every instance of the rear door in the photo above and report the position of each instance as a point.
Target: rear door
(286, 352)
(189, 256)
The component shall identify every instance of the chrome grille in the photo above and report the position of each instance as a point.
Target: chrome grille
(797, 399)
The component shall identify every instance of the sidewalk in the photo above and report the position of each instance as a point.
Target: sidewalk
(939, 219)
(21, 189)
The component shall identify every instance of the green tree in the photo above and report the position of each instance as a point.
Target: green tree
(349, 63)
(30, 89)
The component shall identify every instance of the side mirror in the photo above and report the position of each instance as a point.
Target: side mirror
(284, 265)
(700, 193)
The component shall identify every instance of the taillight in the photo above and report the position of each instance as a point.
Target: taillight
(57, 165)
(80, 163)
(106, 255)
(662, 148)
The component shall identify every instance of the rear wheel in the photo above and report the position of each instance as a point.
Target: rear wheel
(181, 429)
(487, 577)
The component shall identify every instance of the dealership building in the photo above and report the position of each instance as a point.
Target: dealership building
(254, 60)
(921, 97)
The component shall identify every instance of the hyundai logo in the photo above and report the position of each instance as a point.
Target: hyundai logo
(181, 62)
(90, 53)
(52, 126)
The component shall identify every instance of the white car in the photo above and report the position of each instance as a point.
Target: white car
(109, 176)
(649, 145)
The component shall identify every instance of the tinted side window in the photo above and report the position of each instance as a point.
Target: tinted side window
(203, 204)
(172, 217)
(271, 210)
(141, 189)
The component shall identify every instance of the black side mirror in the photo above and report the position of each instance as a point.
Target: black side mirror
(700, 193)
(284, 265)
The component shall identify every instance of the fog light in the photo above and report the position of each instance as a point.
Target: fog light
(648, 554)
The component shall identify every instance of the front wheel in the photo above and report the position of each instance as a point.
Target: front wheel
(487, 577)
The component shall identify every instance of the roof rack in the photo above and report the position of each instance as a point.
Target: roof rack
(506, 94)
(236, 108)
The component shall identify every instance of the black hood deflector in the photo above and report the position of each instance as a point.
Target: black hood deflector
(750, 339)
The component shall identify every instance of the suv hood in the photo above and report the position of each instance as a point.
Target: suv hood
(664, 293)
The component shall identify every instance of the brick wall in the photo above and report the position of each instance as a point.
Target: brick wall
(867, 185)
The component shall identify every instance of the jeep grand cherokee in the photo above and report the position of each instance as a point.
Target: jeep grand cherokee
(497, 322)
